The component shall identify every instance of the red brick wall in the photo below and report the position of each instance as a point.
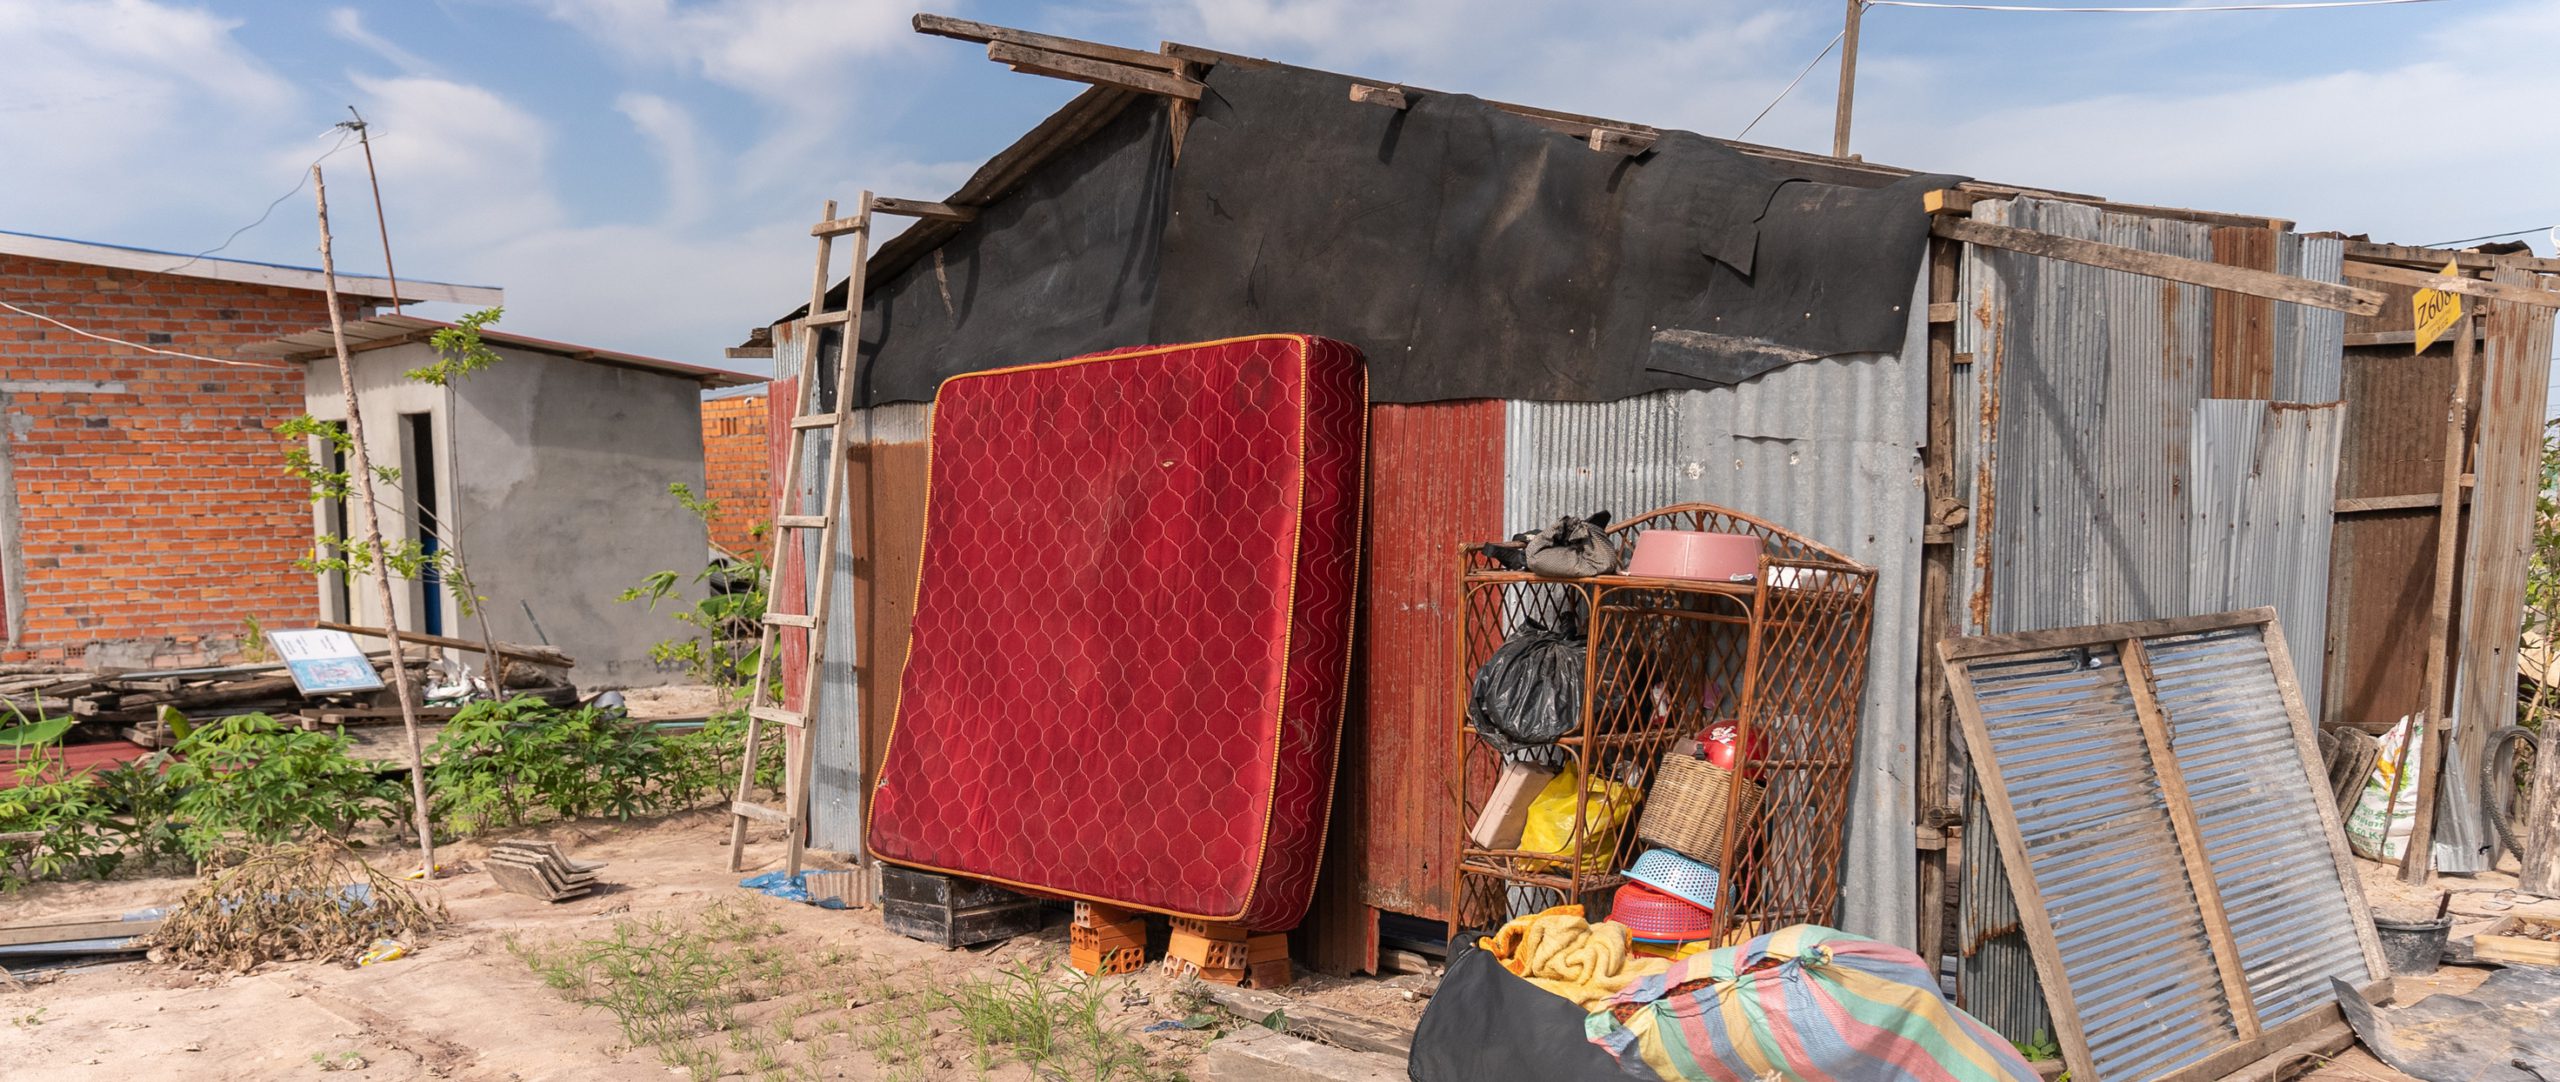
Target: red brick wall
(154, 518)
(736, 462)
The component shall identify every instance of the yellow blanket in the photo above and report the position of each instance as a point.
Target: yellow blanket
(1561, 952)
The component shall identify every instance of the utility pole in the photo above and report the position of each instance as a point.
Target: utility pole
(380, 224)
(1848, 79)
(360, 473)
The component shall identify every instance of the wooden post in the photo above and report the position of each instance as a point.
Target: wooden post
(2433, 726)
(1848, 79)
(1937, 606)
(360, 473)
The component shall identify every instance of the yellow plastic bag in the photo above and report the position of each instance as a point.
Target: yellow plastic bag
(1551, 820)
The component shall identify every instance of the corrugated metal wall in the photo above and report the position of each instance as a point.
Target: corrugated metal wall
(2105, 484)
(1829, 448)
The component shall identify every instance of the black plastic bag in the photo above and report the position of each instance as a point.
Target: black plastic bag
(1487, 1025)
(1530, 691)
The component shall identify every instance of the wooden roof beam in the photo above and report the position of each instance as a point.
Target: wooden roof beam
(2430, 259)
(2255, 283)
(1082, 69)
(2472, 287)
(944, 26)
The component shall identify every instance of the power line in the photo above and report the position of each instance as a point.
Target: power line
(2494, 236)
(2302, 5)
(133, 345)
(1791, 83)
(299, 181)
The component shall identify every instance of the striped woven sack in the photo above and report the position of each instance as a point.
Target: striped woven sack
(1804, 1002)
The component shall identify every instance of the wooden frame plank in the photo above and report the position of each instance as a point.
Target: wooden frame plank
(2418, 861)
(920, 208)
(2056, 638)
(2433, 259)
(2034, 919)
(2315, 774)
(2136, 663)
(75, 931)
(2523, 292)
(2169, 267)
(1391, 97)
(1621, 141)
(2498, 543)
(944, 26)
(1069, 66)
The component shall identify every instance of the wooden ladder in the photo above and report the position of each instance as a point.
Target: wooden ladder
(808, 422)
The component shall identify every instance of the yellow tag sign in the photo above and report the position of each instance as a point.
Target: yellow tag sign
(2436, 310)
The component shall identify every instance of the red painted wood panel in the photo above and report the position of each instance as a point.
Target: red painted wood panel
(1435, 482)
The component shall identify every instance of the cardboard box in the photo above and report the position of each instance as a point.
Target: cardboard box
(1506, 811)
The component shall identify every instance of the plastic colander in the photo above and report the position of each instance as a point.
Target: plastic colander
(1677, 876)
(1651, 915)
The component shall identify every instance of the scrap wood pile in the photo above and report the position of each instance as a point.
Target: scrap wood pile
(133, 705)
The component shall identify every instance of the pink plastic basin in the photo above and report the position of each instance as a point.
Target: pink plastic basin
(1690, 554)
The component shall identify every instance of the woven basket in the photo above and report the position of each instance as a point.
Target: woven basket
(1684, 811)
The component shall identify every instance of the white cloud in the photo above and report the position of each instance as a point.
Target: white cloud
(794, 53)
(348, 24)
(678, 145)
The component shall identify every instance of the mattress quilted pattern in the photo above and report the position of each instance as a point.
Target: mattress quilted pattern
(1131, 642)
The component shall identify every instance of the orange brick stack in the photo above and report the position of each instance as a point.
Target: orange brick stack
(1105, 941)
(1227, 954)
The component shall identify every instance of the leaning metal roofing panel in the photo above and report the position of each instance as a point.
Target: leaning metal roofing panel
(1827, 447)
(2262, 497)
(2094, 824)
(1995, 968)
(2236, 747)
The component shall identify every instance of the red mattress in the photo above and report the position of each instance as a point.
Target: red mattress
(1132, 631)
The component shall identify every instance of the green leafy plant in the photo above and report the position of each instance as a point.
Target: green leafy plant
(2042, 1046)
(499, 762)
(725, 647)
(73, 828)
(142, 810)
(703, 763)
(459, 351)
(257, 779)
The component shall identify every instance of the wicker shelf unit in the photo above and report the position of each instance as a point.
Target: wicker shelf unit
(1784, 658)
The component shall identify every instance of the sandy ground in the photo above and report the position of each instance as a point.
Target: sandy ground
(464, 1006)
(676, 701)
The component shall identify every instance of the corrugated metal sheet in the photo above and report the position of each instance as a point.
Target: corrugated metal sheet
(2267, 843)
(1994, 964)
(2094, 824)
(2382, 563)
(882, 522)
(2104, 485)
(2084, 393)
(2261, 516)
(1829, 448)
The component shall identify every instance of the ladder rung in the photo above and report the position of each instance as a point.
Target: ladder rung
(790, 619)
(757, 811)
(814, 420)
(799, 522)
(826, 319)
(779, 716)
(833, 227)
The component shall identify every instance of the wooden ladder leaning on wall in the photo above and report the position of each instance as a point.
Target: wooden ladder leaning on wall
(809, 421)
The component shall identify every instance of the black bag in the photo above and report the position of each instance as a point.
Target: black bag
(1487, 1025)
(1573, 548)
(1530, 691)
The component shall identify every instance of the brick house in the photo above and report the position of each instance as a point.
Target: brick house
(145, 514)
(737, 465)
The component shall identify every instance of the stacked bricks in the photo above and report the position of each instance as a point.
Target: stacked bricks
(154, 511)
(737, 468)
(1104, 941)
(1227, 954)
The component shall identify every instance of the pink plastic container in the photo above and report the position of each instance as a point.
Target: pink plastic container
(1690, 554)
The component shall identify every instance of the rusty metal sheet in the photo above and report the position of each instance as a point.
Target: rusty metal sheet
(866, 652)
(2382, 563)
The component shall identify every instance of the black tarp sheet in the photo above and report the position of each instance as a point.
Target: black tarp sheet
(1066, 264)
(1469, 252)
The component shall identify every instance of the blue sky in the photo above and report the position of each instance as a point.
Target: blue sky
(639, 174)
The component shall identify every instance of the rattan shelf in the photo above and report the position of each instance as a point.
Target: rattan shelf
(1664, 658)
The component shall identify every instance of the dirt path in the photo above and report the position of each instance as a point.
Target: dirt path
(466, 1006)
